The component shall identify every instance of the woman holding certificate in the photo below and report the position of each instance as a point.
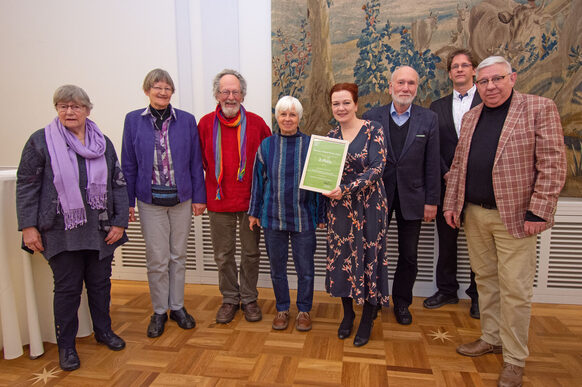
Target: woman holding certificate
(357, 267)
(285, 212)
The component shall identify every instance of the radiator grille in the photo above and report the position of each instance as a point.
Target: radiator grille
(558, 261)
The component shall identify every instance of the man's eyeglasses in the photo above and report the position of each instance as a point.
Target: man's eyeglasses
(462, 65)
(226, 93)
(61, 107)
(496, 80)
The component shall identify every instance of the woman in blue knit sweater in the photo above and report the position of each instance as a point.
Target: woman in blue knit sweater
(286, 212)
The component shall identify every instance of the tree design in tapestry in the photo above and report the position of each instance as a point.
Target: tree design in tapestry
(316, 43)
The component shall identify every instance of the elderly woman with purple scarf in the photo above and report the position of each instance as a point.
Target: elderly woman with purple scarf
(72, 207)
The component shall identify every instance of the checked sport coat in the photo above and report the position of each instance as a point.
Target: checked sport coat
(529, 169)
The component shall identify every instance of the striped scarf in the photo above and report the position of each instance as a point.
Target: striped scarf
(240, 123)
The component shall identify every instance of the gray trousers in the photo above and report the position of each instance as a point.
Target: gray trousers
(165, 230)
(223, 234)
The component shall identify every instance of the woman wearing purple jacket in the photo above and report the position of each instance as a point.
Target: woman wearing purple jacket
(162, 163)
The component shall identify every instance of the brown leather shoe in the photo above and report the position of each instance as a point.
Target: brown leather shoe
(226, 313)
(510, 376)
(478, 348)
(303, 322)
(252, 311)
(281, 320)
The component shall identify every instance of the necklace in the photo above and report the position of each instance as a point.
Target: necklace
(156, 112)
(159, 117)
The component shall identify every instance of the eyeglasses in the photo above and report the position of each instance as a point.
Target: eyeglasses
(160, 89)
(462, 65)
(226, 93)
(496, 80)
(61, 107)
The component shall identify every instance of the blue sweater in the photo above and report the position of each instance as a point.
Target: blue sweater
(275, 196)
(137, 156)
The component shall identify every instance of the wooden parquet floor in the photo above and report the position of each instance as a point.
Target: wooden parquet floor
(252, 354)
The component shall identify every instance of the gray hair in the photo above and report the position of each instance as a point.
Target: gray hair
(157, 75)
(401, 67)
(72, 93)
(241, 79)
(288, 103)
(490, 61)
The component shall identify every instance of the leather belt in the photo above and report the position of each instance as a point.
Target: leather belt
(486, 206)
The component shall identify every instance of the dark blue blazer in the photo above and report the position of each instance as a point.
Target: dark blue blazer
(415, 176)
(443, 107)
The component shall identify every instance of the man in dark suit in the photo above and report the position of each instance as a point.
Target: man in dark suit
(411, 177)
(450, 110)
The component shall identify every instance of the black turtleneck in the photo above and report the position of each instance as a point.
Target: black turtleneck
(479, 184)
(160, 115)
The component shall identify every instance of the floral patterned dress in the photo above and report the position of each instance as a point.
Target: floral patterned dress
(357, 266)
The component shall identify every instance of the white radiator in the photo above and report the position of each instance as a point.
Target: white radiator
(559, 258)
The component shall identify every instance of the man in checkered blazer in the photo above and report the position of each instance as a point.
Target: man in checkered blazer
(507, 173)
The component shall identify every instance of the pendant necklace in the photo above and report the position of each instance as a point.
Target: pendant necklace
(161, 117)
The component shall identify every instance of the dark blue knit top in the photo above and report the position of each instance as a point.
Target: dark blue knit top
(275, 197)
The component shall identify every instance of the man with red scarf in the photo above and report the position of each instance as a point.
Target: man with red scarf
(229, 138)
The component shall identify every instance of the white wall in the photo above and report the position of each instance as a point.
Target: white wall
(108, 46)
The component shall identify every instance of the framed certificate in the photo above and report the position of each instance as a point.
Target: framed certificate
(324, 165)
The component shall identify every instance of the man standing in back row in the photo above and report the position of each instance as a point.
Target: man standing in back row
(229, 138)
(411, 177)
(507, 173)
(450, 110)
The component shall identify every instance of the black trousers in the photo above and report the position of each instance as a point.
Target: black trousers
(70, 269)
(446, 270)
(407, 267)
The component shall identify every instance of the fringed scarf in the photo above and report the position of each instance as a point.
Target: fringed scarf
(240, 123)
(63, 147)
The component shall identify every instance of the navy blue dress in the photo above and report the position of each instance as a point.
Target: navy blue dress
(357, 266)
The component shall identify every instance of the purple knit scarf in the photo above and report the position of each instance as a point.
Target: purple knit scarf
(63, 147)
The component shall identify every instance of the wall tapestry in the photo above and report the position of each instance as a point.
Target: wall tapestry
(316, 43)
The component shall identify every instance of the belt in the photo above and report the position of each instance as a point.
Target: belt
(486, 206)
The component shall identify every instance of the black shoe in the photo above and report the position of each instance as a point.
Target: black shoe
(156, 327)
(110, 339)
(402, 314)
(345, 328)
(68, 359)
(359, 341)
(474, 311)
(439, 299)
(183, 318)
(343, 333)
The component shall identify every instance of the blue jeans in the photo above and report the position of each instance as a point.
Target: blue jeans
(303, 246)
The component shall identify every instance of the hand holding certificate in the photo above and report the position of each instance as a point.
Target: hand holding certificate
(324, 164)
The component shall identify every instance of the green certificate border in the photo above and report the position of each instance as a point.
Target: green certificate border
(324, 165)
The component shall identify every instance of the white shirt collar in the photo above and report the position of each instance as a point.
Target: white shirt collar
(470, 93)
